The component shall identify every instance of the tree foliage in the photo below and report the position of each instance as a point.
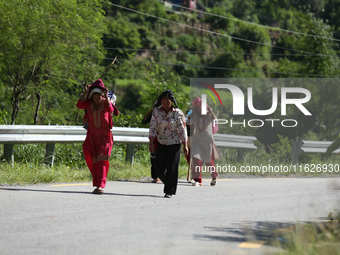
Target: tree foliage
(40, 39)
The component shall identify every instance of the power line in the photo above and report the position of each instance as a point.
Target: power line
(211, 32)
(255, 24)
(223, 68)
(231, 53)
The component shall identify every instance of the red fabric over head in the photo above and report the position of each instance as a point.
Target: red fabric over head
(198, 102)
(98, 84)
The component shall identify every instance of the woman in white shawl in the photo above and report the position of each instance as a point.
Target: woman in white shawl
(203, 148)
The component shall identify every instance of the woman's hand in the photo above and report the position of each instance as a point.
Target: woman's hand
(185, 150)
(212, 113)
(105, 92)
(86, 91)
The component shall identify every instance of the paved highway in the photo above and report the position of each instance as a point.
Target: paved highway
(238, 216)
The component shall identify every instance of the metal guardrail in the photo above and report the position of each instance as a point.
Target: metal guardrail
(10, 134)
(20, 134)
(303, 146)
(235, 141)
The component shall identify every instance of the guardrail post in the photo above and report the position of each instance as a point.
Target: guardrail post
(130, 153)
(240, 154)
(49, 156)
(9, 153)
(296, 150)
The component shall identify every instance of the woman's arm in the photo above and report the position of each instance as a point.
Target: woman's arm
(114, 110)
(182, 132)
(181, 127)
(152, 132)
(212, 113)
(82, 102)
(108, 102)
(86, 91)
(147, 117)
(110, 106)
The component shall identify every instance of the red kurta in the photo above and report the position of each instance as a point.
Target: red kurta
(99, 140)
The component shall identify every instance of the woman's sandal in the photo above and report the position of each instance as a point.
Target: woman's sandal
(197, 184)
(98, 191)
(157, 180)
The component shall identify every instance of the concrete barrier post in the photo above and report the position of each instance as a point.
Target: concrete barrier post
(240, 155)
(49, 156)
(296, 150)
(130, 153)
(9, 153)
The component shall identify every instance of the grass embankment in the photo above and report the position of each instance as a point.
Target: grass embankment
(312, 238)
(69, 165)
(24, 173)
(27, 173)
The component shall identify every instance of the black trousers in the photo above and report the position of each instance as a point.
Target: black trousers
(154, 174)
(167, 163)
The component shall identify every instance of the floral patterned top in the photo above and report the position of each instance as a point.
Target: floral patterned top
(169, 128)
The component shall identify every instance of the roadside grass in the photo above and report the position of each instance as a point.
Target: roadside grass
(26, 173)
(312, 238)
(69, 165)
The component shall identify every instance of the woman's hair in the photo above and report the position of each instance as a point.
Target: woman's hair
(167, 93)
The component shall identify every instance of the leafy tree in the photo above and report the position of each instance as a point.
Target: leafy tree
(331, 14)
(188, 42)
(220, 23)
(286, 42)
(255, 34)
(121, 34)
(326, 63)
(212, 3)
(225, 60)
(158, 83)
(140, 5)
(40, 38)
(244, 10)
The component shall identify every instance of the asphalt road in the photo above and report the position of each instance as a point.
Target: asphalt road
(238, 216)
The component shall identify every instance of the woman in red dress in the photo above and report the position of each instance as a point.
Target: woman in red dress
(99, 140)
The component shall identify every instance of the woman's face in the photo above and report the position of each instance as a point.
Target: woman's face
(166, 103)
(97, 98)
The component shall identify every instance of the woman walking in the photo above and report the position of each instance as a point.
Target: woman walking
(203, 148)
(99, 140)
(168, 125)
